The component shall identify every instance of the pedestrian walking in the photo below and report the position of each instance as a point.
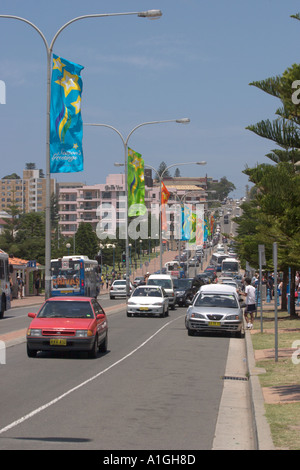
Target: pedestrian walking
(37, 284)
(20, 284)
(250, 302)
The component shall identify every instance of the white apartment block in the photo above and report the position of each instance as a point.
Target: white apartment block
(105, 203)
(27, 193)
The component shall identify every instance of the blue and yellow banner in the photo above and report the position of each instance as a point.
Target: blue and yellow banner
(66, 155)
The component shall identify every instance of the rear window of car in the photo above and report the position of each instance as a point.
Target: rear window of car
(165, 283)
(120, 283)
(147, 292)
(216, 300)
(66, 309)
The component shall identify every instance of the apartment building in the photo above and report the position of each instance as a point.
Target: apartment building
(103, 205)
(97, 203)
(27, 193)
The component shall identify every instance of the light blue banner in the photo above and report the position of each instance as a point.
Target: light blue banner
(186, 223)
(66, 155)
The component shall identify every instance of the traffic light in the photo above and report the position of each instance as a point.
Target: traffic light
(99, 259)
(123, 257)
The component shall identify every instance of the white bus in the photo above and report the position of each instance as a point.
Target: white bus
(173, 268)
(231, 265)
(5, 292)
(217, 260)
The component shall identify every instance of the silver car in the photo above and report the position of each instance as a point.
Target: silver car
(118, 289)
(148, 300)
(215, 307)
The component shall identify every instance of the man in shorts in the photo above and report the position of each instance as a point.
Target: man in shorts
(250, 302)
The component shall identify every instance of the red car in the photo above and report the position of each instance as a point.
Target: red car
(68, 324)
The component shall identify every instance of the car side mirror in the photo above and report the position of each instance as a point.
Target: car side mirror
(32, 315)
(100, 316)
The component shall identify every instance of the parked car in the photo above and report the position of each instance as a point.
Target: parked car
(118, 289)
(166, 282)
(68, 324)
(148, 300)
(216, 307)
(185, 289)
(138, 281)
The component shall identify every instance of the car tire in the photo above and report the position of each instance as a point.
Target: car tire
(93, 352)
(191, 332)
(31, 352)
(104, 344)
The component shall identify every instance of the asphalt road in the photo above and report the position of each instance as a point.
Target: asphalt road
(155, 388)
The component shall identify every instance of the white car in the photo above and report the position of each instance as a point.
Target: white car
(166, 282)
(118, 289)
(148, 300)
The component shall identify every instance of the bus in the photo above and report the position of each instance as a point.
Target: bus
(75, 275)
(231, 265)
(217, 259)
(5, 291)
(173, 268)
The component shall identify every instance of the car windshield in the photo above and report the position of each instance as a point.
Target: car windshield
(147, 292)
(165, 283)
(66, 309)
(182, 283)
(216, 300)
(120, 283)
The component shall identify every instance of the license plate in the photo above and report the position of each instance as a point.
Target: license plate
(144, 308)
(214, 323)
(58, 342)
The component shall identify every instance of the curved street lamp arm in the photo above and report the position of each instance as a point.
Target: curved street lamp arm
(13, 17)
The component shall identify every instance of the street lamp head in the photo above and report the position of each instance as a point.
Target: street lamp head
(183, 121)
(118, 164)
(201, 163)
(151, 14)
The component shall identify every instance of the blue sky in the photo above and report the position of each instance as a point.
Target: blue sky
(196, 61)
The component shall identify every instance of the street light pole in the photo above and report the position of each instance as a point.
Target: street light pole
(125, 145)
(152, 14)
(160, 176)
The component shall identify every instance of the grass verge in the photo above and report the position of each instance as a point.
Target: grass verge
(284, 419)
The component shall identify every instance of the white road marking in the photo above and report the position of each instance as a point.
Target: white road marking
(60, 397)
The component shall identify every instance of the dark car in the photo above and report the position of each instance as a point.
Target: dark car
(185, 289)
(211, 272)
(204, 277)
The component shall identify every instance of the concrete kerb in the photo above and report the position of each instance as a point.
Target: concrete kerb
(261, 428)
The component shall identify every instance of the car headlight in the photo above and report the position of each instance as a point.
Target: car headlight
(34, 332)
(197, 315)
(158, 303)
(232, 317)
(83, 333)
